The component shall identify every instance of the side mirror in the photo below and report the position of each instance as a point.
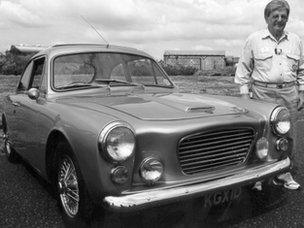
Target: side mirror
(33, 93)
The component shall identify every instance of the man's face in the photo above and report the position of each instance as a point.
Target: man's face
(277, 21)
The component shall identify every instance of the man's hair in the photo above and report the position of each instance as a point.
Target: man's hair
(275, 5)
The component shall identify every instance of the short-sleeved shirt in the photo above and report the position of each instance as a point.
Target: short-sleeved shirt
(268, 60)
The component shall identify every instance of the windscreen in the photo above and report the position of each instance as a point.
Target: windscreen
(86, 69)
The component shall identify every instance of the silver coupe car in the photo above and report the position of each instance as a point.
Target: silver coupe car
(107, 127)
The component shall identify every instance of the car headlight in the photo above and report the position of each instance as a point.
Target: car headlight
(282, 144)
(151, 170)
(280, 120)
(117, 140)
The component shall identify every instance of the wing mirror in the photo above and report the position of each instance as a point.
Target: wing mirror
(33, 93)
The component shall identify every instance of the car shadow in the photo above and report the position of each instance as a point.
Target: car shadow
(192, 213)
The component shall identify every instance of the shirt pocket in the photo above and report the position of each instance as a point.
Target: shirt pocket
(263, 61)
(292, 61)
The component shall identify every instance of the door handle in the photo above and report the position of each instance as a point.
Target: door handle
(16, 104)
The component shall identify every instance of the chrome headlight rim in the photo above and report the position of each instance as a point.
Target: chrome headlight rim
(274, 120)
(103, 136)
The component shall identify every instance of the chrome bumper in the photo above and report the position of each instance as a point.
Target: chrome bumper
(149, 198)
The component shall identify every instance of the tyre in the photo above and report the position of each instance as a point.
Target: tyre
(72, 195)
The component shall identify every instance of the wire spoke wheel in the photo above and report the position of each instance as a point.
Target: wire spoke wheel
(68, 186)
(8, 150)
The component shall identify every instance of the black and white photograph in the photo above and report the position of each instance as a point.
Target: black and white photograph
(149, 113)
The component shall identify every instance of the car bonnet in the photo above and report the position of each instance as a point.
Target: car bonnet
(164, 106)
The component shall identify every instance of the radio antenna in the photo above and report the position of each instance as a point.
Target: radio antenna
(95, 30)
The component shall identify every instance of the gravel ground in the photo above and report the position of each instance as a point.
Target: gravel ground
(25, 199)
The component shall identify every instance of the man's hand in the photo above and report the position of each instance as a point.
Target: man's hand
(301, 100)
(246, 96)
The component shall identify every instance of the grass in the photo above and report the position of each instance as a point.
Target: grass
(219, 85)
(8, 84)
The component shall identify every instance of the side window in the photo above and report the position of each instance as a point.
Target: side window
(38, 73)
(25, 78)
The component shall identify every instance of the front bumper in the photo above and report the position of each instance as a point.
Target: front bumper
(154, 197)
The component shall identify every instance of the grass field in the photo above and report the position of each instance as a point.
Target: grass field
(220, 85)
(8, 85)
(201, 84)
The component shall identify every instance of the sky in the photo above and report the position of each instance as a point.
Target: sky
(149, 25)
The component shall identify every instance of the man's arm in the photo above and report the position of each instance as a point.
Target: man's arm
(244, 70)
(300, 78)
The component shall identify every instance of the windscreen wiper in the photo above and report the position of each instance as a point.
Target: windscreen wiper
(78, 85)
(117, 82)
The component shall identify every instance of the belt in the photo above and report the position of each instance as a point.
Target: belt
(274, 85)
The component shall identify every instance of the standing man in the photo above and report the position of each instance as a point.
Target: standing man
(272, 65)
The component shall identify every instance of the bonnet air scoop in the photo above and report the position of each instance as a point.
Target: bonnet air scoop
(206, 108)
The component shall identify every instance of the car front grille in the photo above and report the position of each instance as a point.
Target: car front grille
(214, 150)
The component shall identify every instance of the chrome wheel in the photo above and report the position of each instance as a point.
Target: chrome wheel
(8, 150)
(68, 186)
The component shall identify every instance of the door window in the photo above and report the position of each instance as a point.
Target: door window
(33, 76)
(25, 78)
(37, 75)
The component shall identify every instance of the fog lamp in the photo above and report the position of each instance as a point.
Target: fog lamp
(120, 174)
(151, 170)
(262, 148)
(282, 144)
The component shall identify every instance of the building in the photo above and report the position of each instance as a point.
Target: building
(232, 60)
(26, 49)
(201, 60)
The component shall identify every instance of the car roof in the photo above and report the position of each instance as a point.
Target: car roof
(60, 49)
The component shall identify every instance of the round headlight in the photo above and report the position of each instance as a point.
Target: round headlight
(280, 120)
(262, 148)
(118, 141)
(151, 170)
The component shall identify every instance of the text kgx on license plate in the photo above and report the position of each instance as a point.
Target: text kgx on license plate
(221, 197)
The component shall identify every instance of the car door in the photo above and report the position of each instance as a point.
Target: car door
(33, 118)
(13, 108)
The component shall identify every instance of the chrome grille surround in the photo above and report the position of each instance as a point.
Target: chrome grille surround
(214, 149)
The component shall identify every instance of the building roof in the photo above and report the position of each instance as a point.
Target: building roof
(195, 52)
(26, 49)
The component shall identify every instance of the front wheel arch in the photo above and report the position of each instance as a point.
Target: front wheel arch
(51, 156)
(86, 206)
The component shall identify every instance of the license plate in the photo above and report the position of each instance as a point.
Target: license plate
(221, 197)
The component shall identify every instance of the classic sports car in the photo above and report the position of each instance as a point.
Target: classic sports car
(106, 126)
